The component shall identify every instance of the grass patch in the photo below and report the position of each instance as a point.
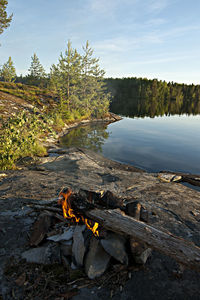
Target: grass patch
(32, 94)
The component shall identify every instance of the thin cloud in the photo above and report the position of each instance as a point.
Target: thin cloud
(124, 44)
(102, 6)
(155, 22)
(156, 6)
(162, 60)
(109, 6)
(179, 31)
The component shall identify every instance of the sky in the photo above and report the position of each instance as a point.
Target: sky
(132, 38)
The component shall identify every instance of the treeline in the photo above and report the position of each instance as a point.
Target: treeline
(77, 79)
(141, 97)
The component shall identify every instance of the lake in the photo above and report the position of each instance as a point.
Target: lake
(153, 144)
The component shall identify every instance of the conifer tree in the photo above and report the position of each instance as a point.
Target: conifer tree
(8, 72)
(65, 76)
(4, 19)
(36, 74)
(94, 96)
(79, 82)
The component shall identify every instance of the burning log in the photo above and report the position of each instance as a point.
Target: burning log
(67, 200)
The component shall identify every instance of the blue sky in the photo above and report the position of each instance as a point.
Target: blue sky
(142, 38)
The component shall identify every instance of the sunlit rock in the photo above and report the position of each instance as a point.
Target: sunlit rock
(169, 177)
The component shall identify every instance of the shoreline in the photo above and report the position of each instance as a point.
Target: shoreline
(52, 142)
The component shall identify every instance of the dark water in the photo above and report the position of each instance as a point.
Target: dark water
(154, 144)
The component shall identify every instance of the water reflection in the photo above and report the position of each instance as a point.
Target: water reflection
(149, 98)
(91, 136)
(153, 108)
(162, 133)
(154, 144)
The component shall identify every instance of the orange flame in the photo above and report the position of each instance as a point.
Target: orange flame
(68, 212)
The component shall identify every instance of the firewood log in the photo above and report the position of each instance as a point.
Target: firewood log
(184, 252)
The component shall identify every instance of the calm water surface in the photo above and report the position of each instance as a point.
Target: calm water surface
(154, 144)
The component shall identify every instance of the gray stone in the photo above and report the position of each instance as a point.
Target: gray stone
(78, 248)
(42, 255)
(97, 259)
(113, 244)
(142, 258)
(65, 236)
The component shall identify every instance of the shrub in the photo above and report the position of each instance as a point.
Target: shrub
(18, 138)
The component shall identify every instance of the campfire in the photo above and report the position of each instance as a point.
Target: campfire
(65, 199)
(80, 240)
(96, 230)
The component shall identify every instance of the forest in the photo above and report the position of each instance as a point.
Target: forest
(140, 97)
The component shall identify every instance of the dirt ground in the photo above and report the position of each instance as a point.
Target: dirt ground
(172, 206)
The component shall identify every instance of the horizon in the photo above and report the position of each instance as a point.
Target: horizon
(153, 39)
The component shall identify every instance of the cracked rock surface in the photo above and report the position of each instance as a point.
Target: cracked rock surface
(172, 207)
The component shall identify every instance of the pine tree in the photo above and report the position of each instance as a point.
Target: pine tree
(8, 72)
(94, 96)
(36, 74)
(65, 76)
(4, 19)
(79, 82)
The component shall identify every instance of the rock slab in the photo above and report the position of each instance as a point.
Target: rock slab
(65, 236)
(42, 255)
(97, 259)
(78, 247)
(169, 177)
(114, 244)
